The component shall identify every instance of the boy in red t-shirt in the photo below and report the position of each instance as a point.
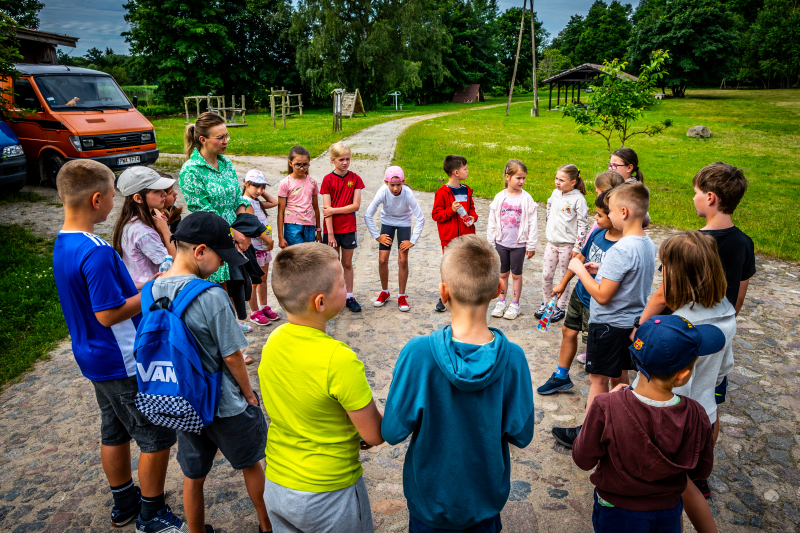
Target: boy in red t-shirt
(450, 197)
(341, 198)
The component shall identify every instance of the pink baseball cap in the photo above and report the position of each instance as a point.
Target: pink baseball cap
(394, 174)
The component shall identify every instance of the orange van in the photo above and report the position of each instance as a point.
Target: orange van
(62, 113)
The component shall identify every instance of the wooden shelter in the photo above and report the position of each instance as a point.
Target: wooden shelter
(586, 74)
(470, 93)
(39, 47)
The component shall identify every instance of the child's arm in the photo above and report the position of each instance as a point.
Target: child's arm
(547, 210)
(583, 225)
(742, 293)
(491, 225)
(588, 448)
(442, 208)
(533, 233)
(568, 275)
(370, 215)
(328, 211)
(367, 421)
(315, 205)
(655, 306)
(235, 363)
(326, 207)
(281, 210)
(126, 311)
(471, 208)
(705, 462)
(271, 201)
(524, 437)
(602, 292)
(416, 210)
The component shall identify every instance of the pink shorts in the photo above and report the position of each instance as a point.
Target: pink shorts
(263, 257)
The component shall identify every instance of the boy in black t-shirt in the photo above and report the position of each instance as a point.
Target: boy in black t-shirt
(718, 189)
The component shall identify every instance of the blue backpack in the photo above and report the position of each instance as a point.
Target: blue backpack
(174, 390)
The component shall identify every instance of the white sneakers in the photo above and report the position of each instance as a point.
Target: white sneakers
(507, 311)
(499, 309)
(512, 312)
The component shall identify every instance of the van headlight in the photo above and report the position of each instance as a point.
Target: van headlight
(148, 137)
(14, 150)
(76, 142)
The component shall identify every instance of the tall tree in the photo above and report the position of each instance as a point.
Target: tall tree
(701, 38)
(23, 12)
(567, 39)
(9, 55)
(606, 32)
(773, 44)
(508, 29)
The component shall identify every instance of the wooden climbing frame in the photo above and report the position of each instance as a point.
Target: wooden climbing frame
(285, 104)
(216, 104)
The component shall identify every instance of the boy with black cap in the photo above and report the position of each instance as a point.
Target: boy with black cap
(646, 442)
(204, 242)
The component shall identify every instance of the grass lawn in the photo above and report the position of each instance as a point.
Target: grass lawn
(313, 130)
(31, 322)
(756, 130)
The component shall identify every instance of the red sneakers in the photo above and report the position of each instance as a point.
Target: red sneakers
(402, 303)
(269, 313)
(382, 297)
(259, 318)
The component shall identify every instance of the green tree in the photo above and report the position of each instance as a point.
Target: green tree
(620, 102)
(701, 37)
(773, 44)
(23, 12)
(508, 29)
(567, 39)
(9, 54)
(553, 62)
(606, 32)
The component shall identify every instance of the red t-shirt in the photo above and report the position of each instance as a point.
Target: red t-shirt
(342, 190)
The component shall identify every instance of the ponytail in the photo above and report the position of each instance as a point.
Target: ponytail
(629, 157)
(201, 128)
(574, 174)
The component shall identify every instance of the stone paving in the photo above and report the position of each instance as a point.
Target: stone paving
(50, 473)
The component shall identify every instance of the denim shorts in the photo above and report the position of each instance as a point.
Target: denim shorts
(121, 421)
(490, 525)
(242, 439)
(299, 233)
(613, 519)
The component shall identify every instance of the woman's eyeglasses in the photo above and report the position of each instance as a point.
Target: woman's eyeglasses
(222, 138)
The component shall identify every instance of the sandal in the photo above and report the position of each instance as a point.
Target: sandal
(248, 360)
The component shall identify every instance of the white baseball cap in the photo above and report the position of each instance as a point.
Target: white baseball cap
(137, 179)
(256, 177)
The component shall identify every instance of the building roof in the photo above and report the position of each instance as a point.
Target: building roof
(588, 72)
(470, 93)
(25, 34)
(56, 69)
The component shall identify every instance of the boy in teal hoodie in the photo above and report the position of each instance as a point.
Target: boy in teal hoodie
(462, 393)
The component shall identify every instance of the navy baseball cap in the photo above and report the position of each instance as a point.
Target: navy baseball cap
(667, 343)
(212, 230)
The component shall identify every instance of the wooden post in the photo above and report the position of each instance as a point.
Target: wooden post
(579, 93)
(550, 102)
(533, 46)
(300, 103)
(272, 107)
(186, 108)
(558, 94)
(283, 107)
(244, 110)
(516, 60)
(197, 101)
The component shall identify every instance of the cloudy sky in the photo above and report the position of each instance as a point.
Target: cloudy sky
(98, 23)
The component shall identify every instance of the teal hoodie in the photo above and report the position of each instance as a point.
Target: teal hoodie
(462, 404)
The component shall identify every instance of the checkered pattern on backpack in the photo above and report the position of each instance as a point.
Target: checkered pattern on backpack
(170, 411)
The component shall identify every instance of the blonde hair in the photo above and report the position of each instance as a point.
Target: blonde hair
(692, 270)
(338, 150)
(633, 195)
(512, 167)
(574, 174)
(201, 128)
(608, 180)
(302, 271)
(79, 179)
(296, 151)
(471, 269)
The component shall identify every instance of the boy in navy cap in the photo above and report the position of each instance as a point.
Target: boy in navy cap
(645, 442)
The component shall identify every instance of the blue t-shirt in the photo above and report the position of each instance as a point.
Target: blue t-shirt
(461, 193)
(91, 277)
(594, 251)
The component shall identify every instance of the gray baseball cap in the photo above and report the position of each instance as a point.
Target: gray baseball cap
(137, 179)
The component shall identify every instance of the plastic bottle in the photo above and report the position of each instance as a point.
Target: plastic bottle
(166, 265)
(468, 220)
(548, 313)
(269, 231)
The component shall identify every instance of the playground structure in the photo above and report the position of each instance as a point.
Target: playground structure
(346, 105)
(337, 109)
(216, 104)
(285, 104)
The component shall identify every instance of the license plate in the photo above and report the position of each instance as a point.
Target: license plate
(128, 160)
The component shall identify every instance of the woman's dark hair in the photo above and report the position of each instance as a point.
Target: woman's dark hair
(201, 128)
(131, 208)
(575, 175)
(294, 152)
(629, 157)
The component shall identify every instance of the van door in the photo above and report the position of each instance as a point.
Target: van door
(31, 120)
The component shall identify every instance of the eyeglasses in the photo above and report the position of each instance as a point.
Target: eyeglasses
(298, 165)
(613, 166)
(222, 138)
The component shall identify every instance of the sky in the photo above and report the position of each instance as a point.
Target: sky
(98, 23)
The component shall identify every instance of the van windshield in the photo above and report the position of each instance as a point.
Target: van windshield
(82, 92)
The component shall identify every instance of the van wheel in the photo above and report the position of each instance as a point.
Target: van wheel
(49, 165)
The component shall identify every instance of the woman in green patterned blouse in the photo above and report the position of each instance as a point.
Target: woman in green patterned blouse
(208, 180)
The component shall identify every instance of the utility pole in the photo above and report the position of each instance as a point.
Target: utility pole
(533, 55)
(516, 60)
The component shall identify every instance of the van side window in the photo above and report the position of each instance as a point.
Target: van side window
(25, 98)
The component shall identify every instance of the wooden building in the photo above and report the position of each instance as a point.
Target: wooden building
(470, 93)
(39, 47)
(576, 78)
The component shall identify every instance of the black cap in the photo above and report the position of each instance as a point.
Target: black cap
(213, 231)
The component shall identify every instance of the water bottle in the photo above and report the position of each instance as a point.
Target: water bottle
(548, 313)
(166, 265)
(269, 231)
(468, 220)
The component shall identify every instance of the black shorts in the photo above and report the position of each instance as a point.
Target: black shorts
(403, 234)
(721, 391)
(511, 259)
(345, 241)
(121, 421)
(607, 350)
(242, 439)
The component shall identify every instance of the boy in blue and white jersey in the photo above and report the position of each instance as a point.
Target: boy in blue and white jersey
(102, 309)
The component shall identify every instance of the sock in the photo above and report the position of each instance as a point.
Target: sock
(385, 290)
(399, 295)
(151, 507)
(501, 301)
(125, 496)
(515, 304)
(349, 294)
(562, 372)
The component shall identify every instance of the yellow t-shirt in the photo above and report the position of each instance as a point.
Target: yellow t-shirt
(308, 382)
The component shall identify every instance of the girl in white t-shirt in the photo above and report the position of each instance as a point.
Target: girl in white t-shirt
(512, 228)
(254, 184)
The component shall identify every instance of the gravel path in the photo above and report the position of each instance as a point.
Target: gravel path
(50, 473)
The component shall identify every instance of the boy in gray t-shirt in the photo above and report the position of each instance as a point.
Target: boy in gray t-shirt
(619, 293)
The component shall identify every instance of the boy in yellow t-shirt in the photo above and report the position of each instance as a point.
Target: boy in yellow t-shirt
(319, 402)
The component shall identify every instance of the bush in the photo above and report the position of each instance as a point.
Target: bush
(159, 110)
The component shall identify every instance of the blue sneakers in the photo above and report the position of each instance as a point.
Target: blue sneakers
(165, 522)
(120, 518)
(353, 305)
(555, 384)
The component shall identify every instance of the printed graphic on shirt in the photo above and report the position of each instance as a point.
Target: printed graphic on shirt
(567, 208)
(460, 193)
(596, 254)
(510, 215)
(350, 184)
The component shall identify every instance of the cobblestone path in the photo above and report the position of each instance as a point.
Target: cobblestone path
(50, 473)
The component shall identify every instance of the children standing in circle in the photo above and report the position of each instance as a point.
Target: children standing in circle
(397, 203)
(298, 211)
(567, 218)
(341, 198)
(254, 184)
(626, 163)
(140, 238)
(512, 229)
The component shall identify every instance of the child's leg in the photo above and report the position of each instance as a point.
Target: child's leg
(383, 268)
(563, 263)
(254, 481)
(347, 265)
(194, 504)
(517, 287)
(504, 280)
(116, 462)
(598, 384)
(549, 265)
(697, 509)
(263, 289)
(569, 347)
(402, 270)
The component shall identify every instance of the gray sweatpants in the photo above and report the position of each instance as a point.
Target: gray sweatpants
(341, 511)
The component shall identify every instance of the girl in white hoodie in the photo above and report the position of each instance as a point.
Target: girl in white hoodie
(567, 218)
(513, 230)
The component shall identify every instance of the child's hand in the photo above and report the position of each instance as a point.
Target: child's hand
(619, 387)
(328, 211)
(332, 241)
(269, 242)
(455, 206)
(318, 237)
(282, 243)
(529, 254)
(576, 265)
(592, 268)
(384, 240)
(406, 245)
(574, 254)
(558, 290)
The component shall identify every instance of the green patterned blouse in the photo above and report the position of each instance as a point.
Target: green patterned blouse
(208, 189)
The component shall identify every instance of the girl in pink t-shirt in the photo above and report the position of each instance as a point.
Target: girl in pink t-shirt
(298, 211)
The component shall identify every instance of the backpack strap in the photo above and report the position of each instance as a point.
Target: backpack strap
(191, 291)
(147, 297)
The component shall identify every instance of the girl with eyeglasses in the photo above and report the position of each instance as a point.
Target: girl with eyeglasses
(626, 163)
(298, 210)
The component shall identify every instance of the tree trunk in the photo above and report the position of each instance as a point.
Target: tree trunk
(533, 56)
(516, 60)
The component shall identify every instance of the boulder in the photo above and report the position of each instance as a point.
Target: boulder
(699, 132)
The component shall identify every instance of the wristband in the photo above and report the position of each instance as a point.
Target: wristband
(319, 230)
(636, 322)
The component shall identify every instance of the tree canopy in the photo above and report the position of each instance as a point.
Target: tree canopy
(23, 12)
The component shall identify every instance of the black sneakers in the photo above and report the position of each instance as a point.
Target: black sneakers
(558, 314)
(353, 305)
(540, 312)
(702, 485)
(566, 436)
(555, 384)
(121, 517)
(440, 306)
